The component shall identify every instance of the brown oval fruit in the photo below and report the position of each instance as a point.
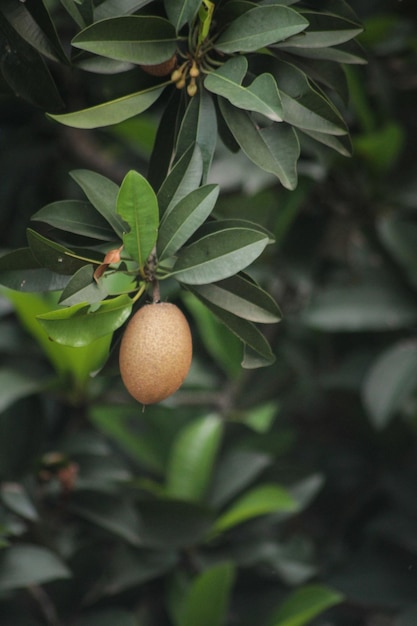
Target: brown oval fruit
(161, 69)
(155, 352)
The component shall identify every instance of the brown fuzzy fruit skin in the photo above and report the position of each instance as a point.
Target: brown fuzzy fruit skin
(155, 352)
(161, 69)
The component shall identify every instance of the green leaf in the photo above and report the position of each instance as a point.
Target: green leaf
(245, 331)
(349, 52)
(324, 30)
(138, 206)
(398, 233)
(181, 12)
(218, 255)
(390, 382)
(261, 500)
(102, 193)
(82, 288)
(243, 298)
(199, 606)
(113, 8)
(185, 218)
(24, 565)
(199, 126)
(20, 270)
(184, 177)
(111, 112)
(192, 457)
(259, 27)
(139, 39)
(15, 497)
(51, 255)
(15, 385)
(75, 216)
(78, 326)
(275, 149)
(261, 96)
(304, 604)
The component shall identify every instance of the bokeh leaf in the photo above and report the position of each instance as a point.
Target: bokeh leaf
(199, 608)
(25, 564)
(304, 604)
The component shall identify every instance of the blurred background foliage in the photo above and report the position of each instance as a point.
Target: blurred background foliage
(248, 485)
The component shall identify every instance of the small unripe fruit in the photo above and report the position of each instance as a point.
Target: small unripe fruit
(161, 69)
(155, 352)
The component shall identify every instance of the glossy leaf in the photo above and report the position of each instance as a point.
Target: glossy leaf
(275, 149)
(83, 288)
(261, 96)
(349, 52)
(51, 255)
(75, 216)
(324, 30)
(111, 112)
(102, 193)
(113, 8)
(390, 382)
(304, 604)
(25, 564)
(199, 607)
(262, 500)
(218, 255)
(186, 217)
(184, 177)
(78, 325)
(192, 458)
(20, 270)
(245, 331)
(138, 207)
(243, 298)
(199, 126)
(180, 12)
(259, 27)
(139, 39)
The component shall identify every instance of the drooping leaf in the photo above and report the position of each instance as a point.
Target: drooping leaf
(164, 145)
(102, 193)
(349, 52)
(83, 288)
(261, 95)
(198, 607)
(75, 216)
(324, 30)
(390, 382)
(180, 12)
(304, 604)
(140, 39)
(184, 177)
(243, 298)
(16, 498)
(138, 206)
(199, 126)
(261, 500)
(259, 27)
(20, 270)
(78, 326)
(218, 256)
(51, 255)
(192, 458)
(25, 564)
(111, 112)
(275, 149)
(184, 219)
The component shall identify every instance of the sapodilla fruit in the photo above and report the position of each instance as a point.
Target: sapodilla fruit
(155, 352)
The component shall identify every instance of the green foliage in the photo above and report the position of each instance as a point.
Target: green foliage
(253, 496)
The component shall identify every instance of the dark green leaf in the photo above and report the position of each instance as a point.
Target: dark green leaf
(75, 216)
(111, 112)
(199, 126)
(83, 288)
(218, 255)
(324, 30)
(138, 206)
(305, 604)
(102, 193)
(15, 497)
(140, 39)
(184, 219)
(398, 232)
(113, 8)
(261, 96)
(275, 149)
(349, 52)
(259, 27)
(198, 607)
(243, 298)
(79, 326)
(15, 384)
(184, 177)
(21, 271)
(192, 458)
(107, 617)
(24, 565)
(181, 11)
(51, 255)
(390, 382)
(164, 144)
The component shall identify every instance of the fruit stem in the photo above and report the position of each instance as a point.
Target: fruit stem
(156, 294)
